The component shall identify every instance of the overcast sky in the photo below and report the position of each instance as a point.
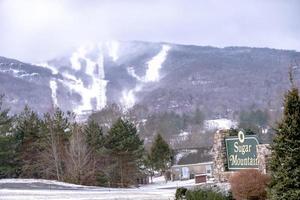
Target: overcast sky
(36, 30)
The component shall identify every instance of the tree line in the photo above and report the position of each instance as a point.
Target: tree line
(55, 146)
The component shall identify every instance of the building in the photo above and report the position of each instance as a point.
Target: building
(192, 162)
(189, 171)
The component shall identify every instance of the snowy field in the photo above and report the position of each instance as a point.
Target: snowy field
(32, 189)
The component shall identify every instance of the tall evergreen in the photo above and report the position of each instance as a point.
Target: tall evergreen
(27, 132)
(95, 140)
(8, 166)
(5, 119)
(56, 130)
(284, 164)
(124, 145)
(94, 135)
(160, 154)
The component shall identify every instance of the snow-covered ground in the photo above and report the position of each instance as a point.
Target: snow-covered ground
(33, 189)
(85, 194)
(219, 124)
(96, 194)
(160, 183)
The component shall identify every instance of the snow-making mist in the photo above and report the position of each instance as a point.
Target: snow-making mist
(53, 86)
(82, 76)
(155, 64)
(162, 77)
(152, 75)
(93, 92)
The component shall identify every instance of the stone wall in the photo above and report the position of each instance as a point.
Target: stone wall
(263, 154)
(220, 159)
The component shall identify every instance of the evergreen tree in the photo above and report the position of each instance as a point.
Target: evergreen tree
(94, 135)
(160, 154)
(56, 130)
(27, 131)
(95, 140)
(8, 166)
(107, 116)
(124, 145)
(5, 119)
(284, 164)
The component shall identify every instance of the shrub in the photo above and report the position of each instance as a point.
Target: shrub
(180, 193)
(102, 179)
(205, 194)
(249, 184)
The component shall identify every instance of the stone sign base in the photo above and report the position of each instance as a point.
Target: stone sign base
(220, 171)
(263, 155)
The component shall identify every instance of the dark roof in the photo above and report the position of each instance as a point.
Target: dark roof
(193, 156)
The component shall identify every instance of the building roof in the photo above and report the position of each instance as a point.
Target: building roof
(196, 164)
(192, 156)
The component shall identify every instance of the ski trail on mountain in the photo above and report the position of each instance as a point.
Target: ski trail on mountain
(154, 65)
(131, 72)
(53, 87)
(93, 95)
(52, 82)
(46, 65)
(128, 96)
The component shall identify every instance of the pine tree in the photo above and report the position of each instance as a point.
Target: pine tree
(56, 130)
(8, 166)
(27, 132)
(95, 140)
(94, 135)
(124, 145)
(5, 119)
(284, 164)
(160, 154)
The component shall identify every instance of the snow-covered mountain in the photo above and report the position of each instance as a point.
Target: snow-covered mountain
(97, 74)
(161, 76)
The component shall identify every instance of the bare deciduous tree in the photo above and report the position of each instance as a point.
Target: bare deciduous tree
(56, 131)
(80, 165)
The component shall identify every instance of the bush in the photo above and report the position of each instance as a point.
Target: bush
(249, 184)
(203, 194)
(102, 179)
(180, 193)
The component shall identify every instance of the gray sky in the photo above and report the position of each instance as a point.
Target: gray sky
(36, 30)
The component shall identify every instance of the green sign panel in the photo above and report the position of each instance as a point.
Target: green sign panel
(241, 151)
